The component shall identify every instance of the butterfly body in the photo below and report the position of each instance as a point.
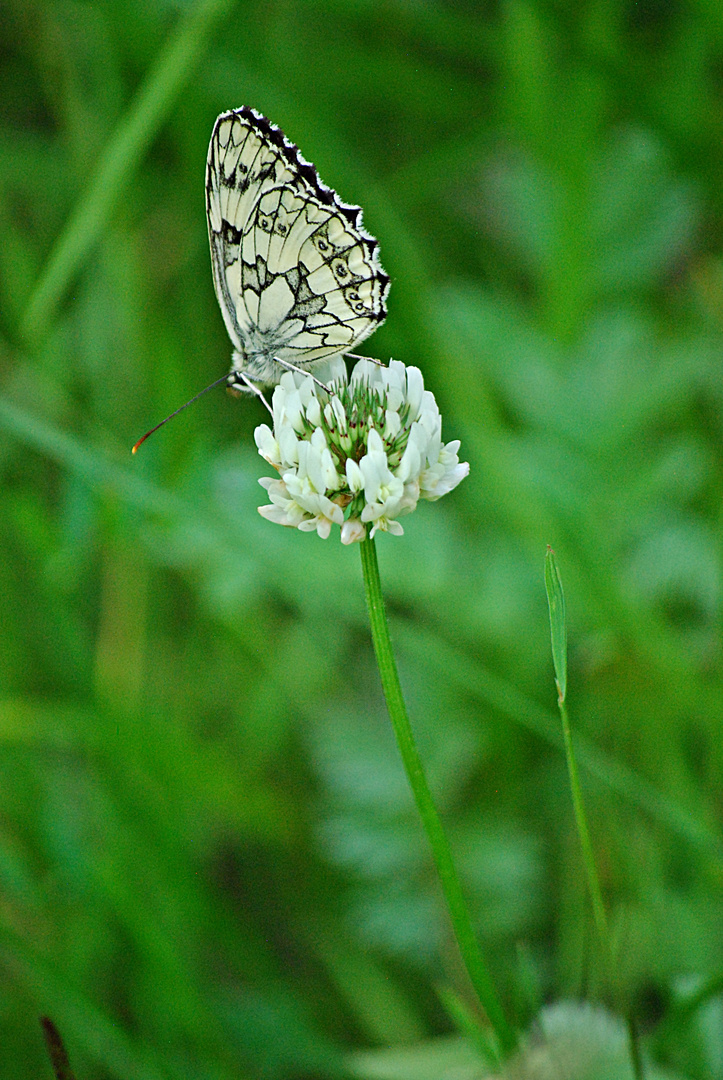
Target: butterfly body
(297, 276)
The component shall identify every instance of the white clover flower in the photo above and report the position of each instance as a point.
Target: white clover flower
(359, 455)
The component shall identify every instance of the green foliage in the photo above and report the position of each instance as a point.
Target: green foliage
(210, 864)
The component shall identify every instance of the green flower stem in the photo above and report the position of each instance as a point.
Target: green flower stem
(558, 632)
(593, 883)
(451, 887)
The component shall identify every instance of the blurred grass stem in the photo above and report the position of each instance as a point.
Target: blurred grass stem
(128, 143)
(456, 904)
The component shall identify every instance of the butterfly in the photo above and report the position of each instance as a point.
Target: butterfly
(297, 277)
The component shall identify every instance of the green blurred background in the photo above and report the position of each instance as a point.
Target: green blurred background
(210, 866)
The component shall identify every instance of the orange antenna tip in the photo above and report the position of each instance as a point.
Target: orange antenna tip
(176, 411)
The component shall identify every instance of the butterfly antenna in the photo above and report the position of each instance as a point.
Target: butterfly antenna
(180, 409)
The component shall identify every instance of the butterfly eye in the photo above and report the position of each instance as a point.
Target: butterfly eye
(359, 308)
(340, 269)
(282, 229)
(265, 224)
(353, 295)
(323, 245)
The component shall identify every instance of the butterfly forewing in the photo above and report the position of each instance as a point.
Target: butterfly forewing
(297, 277)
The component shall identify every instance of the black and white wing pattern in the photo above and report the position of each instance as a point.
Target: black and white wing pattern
(297, 276)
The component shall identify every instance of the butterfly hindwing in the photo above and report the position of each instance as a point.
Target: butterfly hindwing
(297, 277)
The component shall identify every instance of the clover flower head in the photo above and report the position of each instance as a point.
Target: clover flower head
(360, 454)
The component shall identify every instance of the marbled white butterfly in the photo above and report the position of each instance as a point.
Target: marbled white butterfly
(297, 277)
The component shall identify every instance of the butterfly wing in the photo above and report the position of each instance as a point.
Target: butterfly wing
(297, 277)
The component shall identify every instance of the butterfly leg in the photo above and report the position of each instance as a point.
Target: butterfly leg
(371, 359)
(251, 385)
(293, 367)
